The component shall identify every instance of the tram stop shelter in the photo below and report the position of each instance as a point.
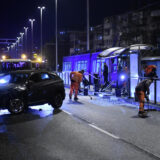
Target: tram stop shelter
(132, 58)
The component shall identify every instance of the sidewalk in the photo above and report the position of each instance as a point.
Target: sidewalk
(108, 97)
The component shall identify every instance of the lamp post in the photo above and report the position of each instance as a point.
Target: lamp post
(26, 29)
(56, 35)
(88, 39)
(41, 15)
(32, 21)
(13, 49)
(8, 48)
(22, 34)
(17, 42)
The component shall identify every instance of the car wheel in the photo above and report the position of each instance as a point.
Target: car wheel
(16, 105)
(57, 101)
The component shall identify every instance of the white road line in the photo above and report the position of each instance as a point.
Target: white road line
(103, 131)
(67, 112)
(97, 128)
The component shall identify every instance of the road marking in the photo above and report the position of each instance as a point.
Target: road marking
(103, 131)
(97, 128)
(67, 112)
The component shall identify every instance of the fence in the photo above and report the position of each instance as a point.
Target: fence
(154, 88)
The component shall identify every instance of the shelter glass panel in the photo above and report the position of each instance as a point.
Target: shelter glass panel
(81, 65)
(133, 73)
(67, 66)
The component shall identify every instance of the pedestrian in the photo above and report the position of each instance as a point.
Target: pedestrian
(125, 82)
(76, 79)
(105, 75)
(142, 91)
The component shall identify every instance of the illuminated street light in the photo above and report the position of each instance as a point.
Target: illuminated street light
(41, 15)
(23, 56)
(8, 48)
(18, 41)
(22, 34)
(39, 59)
(18, 38)
(4, 57)
(26, 29)
(32, 21)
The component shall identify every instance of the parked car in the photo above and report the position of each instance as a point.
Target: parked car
(20, 89)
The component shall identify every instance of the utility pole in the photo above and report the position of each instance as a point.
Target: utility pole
(41, 15)
(26, 29)
(32, 21)
(88, 35)
(56, 36)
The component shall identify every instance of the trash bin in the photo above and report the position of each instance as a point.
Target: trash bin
(118, 92)
(85, 91)
(96, 83)
(96, 79)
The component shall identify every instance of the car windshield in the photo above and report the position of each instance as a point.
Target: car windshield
(13, 78)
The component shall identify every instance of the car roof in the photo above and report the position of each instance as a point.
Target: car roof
(16, 60)
(31, 71)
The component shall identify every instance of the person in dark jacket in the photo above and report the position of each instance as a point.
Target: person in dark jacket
(105, 75)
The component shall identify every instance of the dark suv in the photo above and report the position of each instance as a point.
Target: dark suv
(21, 89)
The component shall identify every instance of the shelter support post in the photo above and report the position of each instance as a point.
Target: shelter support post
(155, 92)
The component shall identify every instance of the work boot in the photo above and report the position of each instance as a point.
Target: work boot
(75, 98)
(142, 114)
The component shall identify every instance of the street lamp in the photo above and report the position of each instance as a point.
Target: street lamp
(26, 29)
(22, 34)
(23, 56)
(18, 41)
(4, 57)
(8, 48)
(18, 38)
(13, 49)
(32, 21)
(88, 40)
(56, 35)
(41, 15)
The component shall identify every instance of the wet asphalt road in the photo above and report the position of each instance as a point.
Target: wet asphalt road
(88, 129)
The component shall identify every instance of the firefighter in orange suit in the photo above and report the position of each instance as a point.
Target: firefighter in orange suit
(142, 89)
(142, 92)
(76, 79)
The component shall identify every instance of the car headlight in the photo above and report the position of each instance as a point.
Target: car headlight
(5, 80)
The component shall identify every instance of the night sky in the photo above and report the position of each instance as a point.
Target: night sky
(14, 14)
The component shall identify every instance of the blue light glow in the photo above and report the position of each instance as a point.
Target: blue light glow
(5, 80)
(4, 111)
(122, 77)
(101, 95)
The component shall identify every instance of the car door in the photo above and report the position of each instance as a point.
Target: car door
(35, 89)
(45, 85)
